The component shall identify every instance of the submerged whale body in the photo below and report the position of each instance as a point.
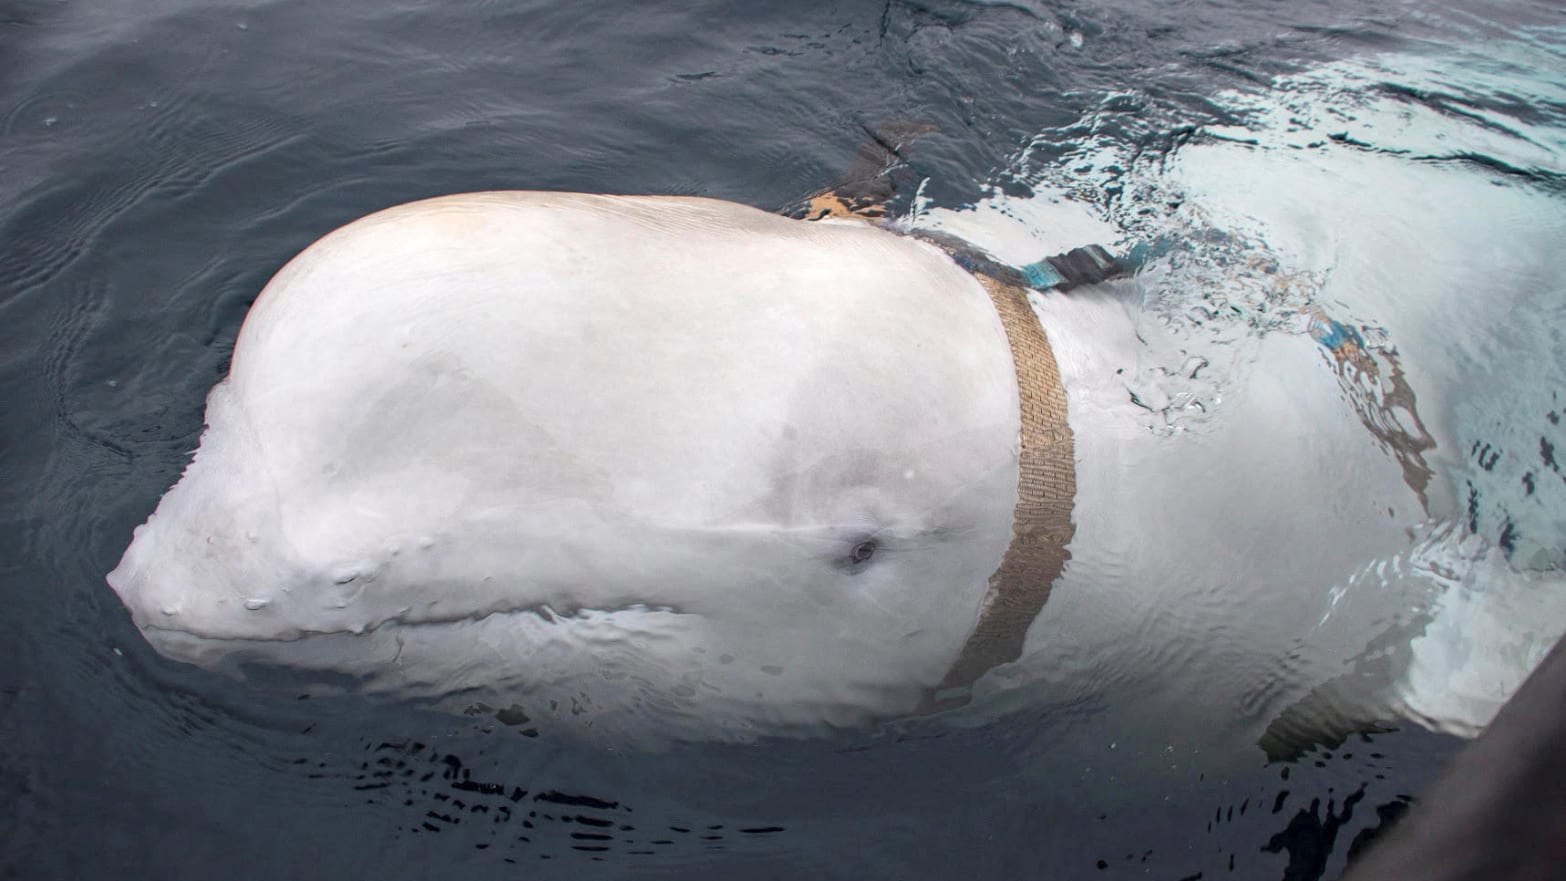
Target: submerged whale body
(625, 465)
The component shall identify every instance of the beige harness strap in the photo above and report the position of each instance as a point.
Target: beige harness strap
(1046, 486)
(836, 204)
(1041, 524)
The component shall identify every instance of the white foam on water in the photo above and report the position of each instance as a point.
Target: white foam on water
(1418, 200)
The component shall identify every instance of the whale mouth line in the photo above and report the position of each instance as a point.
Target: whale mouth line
(544, 611)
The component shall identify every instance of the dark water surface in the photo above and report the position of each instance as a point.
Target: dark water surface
(160, 160)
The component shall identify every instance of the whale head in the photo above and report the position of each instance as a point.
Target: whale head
(620, 462)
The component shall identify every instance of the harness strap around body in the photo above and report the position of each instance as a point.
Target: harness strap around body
(1047, 482)
(1041, 523)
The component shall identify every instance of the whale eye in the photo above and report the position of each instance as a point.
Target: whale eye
(862, 552)
(857, 552)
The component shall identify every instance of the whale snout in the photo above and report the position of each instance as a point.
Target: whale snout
(153, 585)
(174, 599)
(158, 604)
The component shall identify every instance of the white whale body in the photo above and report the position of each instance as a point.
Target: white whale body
(643, 456)
(630, 464)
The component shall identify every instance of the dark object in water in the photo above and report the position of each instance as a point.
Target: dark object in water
(1087, 265)
(1078, 266)
(1499, 814)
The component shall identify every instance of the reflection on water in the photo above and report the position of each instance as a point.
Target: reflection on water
(442, 796)
(1380, 185)
(1383, 405)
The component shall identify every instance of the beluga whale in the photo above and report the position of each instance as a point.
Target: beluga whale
(672, 467)
(639, 458)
